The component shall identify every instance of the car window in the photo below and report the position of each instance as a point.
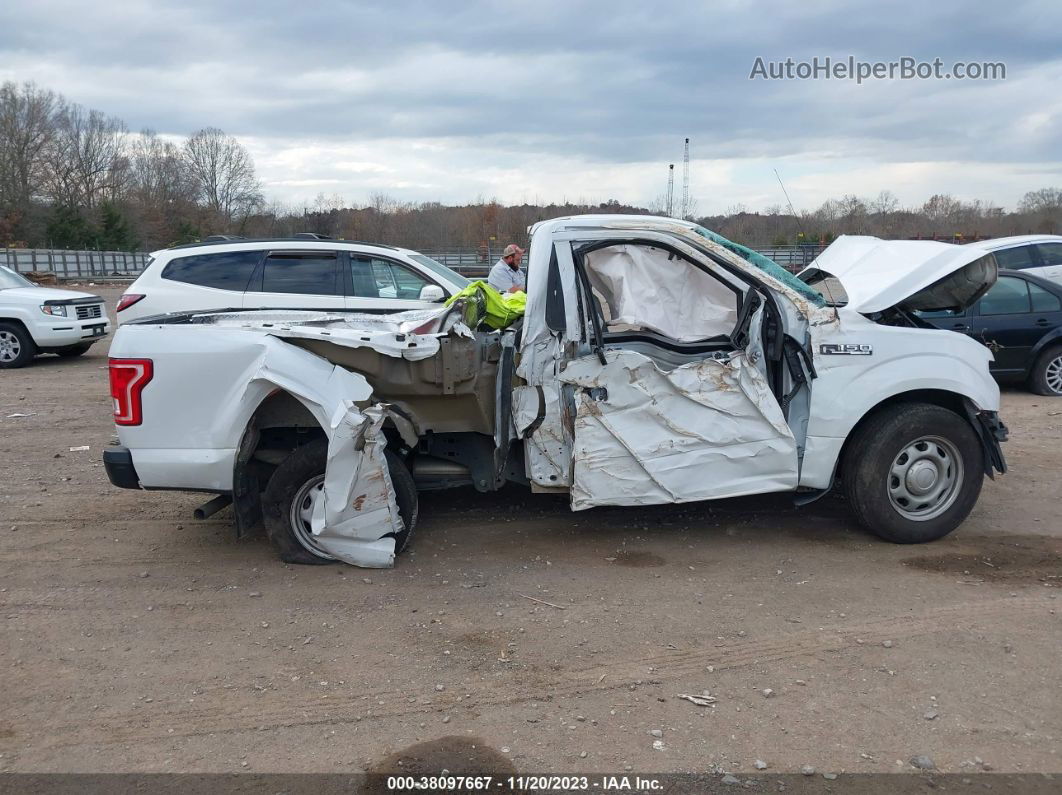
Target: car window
(441, 270)
(1043, 301)
(1008, 296)
(647, 288)
(1051, 253)
(9, 279)
(380, 278)
(229, 270)
(1015, 258)
(304, 274)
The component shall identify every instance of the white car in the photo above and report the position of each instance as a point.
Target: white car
(656, 363)
(1040, 255)
(292, 273)
(35, 319)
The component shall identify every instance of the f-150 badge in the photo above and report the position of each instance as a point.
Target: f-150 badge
(848, 349)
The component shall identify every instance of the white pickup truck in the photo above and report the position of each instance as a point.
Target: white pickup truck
(656, 363)
(35, 319)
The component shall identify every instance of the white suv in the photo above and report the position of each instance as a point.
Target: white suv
(1040, 255)
(290, 273)
(35, 319)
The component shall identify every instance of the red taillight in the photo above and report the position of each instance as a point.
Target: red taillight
(128, 299)
(128, 379)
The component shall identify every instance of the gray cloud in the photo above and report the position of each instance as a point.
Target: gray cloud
(599, 82)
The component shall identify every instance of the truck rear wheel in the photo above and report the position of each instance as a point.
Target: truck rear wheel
(912, 472)
(16, 346)
(295, 486)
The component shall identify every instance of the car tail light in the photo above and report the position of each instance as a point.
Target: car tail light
(128, 379)
(128, 299)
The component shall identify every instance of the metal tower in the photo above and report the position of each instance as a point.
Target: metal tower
(686, 181)
(670, 190)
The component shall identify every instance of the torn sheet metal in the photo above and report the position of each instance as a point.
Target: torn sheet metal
(645, 287)
(412, 335)
(537, 416)
(704, 430)
(357, 516)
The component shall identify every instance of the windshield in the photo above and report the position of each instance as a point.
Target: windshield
(765, 264)
(441, 270)
(9, 279)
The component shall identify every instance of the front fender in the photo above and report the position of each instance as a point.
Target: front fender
(1047, 340)
(900, 360)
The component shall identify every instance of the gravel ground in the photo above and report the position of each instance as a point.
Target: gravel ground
(135, 639)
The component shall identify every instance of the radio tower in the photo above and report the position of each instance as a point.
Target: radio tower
(686, 181)
(670, 190)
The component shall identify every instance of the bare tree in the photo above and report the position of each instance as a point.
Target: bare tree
(86, 161)
(160, 190)
(224, 175)
(26, 128)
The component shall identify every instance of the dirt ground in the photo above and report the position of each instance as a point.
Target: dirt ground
(136, 639)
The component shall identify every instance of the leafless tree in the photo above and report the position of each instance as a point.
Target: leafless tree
(224, 175)
(86, 161)
(160, 191)
(26, 127)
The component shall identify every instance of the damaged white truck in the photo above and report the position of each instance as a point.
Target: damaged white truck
(656, 363)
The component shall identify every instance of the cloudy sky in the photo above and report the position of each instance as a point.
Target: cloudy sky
(545, 101)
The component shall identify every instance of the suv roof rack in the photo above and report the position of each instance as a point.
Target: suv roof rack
(301, 237)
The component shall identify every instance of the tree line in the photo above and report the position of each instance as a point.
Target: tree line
(74, 177)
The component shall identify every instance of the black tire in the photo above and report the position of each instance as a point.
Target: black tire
(942, 445)
(307, 464)
(72, 350)
(16, 346)
(1044, 378)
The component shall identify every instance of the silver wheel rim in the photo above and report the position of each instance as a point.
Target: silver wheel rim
(10, 346)
(301, 515)
(925, 478)
(1053, 374)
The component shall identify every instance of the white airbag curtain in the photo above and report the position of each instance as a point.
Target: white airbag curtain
(650, 288)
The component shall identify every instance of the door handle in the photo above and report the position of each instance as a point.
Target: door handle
(960, 327)
(1043, 321)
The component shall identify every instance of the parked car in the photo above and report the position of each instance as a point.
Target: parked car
(657, 363)
(1039, 255)
(291, 273)
(1020, 320)
(35, 319)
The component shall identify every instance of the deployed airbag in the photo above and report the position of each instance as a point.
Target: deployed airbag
(650, 288)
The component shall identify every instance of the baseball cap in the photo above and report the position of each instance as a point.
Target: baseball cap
(512, 248)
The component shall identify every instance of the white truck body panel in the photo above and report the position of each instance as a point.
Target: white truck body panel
(618, 425)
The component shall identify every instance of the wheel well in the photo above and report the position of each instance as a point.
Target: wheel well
(936, 397)
(17, 322)
(279, 426)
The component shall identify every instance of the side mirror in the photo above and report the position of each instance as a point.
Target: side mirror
(432, 292)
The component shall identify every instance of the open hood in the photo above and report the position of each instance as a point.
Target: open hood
(921, 275)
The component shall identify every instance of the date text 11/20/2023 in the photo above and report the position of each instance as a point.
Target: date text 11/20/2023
(529, 783)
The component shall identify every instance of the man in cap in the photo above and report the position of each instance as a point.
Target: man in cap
(506, 276)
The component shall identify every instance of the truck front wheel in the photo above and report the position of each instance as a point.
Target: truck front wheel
(913, 472)
(16, 346)
(295, 486)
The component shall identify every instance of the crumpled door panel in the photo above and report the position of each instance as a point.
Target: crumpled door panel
(705, 430)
